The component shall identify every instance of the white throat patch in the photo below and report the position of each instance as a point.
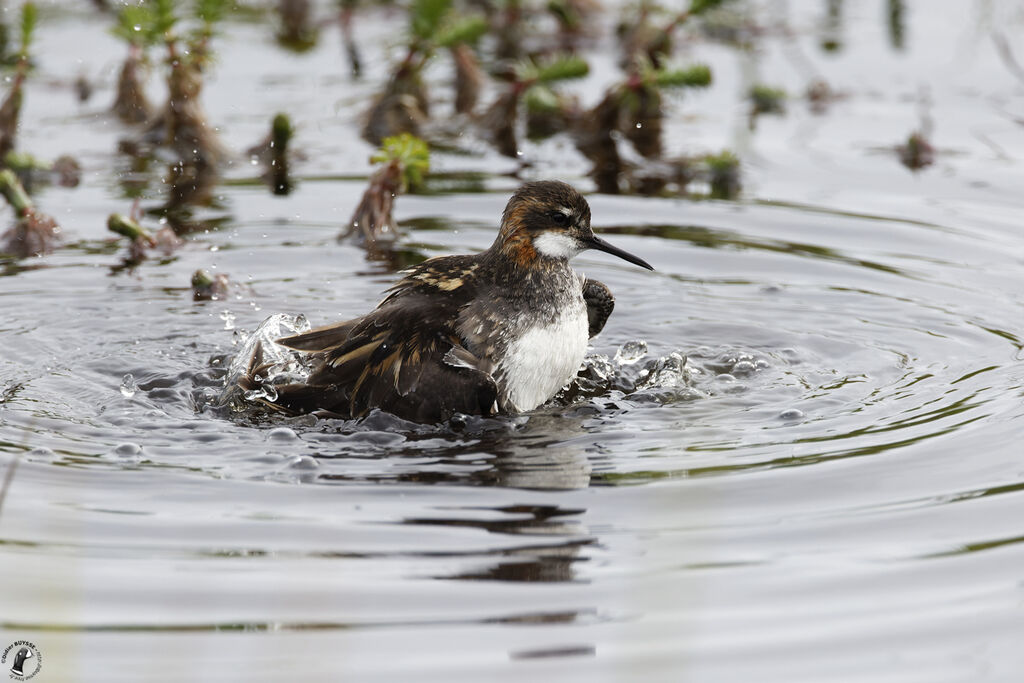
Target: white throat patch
(557, 245)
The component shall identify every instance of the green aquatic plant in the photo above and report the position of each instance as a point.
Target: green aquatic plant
(917, 152)
(647, 30)
(296, 29)
(832, 28)
(274, 153)
(403, 105)
(575, 20)
(33, 233)
(530, 78)
(209, 287)
(896, 15)
(723, 174)
(346, 12)
(181, 126)
(32, 171)
(642, 94)
(281, 133)
(765, 99)
(141, 240)
(10, 108)
(458, 35)
(633, 108)
(404, 161)
(130, 103)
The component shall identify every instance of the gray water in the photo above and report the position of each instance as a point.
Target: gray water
(812, 473)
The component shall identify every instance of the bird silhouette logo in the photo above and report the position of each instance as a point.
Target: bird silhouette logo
(18, 669)
(24, 659)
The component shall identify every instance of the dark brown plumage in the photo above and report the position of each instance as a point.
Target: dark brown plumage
(449, 336)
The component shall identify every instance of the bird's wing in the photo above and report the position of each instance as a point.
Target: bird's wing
(395, 359)
(320, 338)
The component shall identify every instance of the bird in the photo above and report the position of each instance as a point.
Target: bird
(497, 332)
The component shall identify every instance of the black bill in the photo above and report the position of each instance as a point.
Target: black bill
(596, 242)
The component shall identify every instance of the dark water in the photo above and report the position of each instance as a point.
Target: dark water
(794, 455)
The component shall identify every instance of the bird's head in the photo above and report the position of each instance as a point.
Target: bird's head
(550, 220)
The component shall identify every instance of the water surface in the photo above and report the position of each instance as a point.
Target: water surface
(812, 473)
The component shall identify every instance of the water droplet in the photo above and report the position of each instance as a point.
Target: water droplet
(229, 319)
(630, 352)
(282, 434)
(128, 385)
(253, 394)
(303, 462)
(791, 414)
(743, 368)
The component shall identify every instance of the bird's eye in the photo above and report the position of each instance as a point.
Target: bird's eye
(559, 219)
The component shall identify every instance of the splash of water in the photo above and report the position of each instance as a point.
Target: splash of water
(281, 364)
(128, 385)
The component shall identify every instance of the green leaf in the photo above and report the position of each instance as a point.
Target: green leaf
(29, 19)
(134, 23)
(701, 6)
(410, 152)
(723, 161)
(425, 17)
(767, 100)
(281, 130)
(464, 30)
(696, 76)
(163, 19)
(210, 11)
(561, 68)
(541, 98)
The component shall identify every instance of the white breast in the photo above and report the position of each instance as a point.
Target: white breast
(543, 359)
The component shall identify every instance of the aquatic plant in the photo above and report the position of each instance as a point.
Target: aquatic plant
(142, 240)
(208, 287)
(820, 95)
(274, 154)
(575, 21)
(137, 26)
(64, 171)
(296, 30)
(346, 10)
(896, 14)
(917, 152)
(182, 126)
(642, 95)
(723, 174)
(34, 233)
(832, 28)
(187, 130)
(458, 35)
(10, 108)
(404, 159)
(549, 112)
(403, 105)
(501, 120)
(645, 33)
(633, 108)
(765, 99)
